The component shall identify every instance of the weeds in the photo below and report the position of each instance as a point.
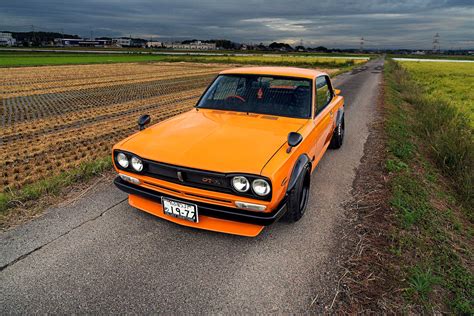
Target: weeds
(433, 239)
(53, 185)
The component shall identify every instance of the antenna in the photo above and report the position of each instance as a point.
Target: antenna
(436, 45)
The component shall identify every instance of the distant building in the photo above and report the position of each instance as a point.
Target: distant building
(154, 44)
(80, 42)
(122, 42)
(197, 45)
(128, 42)
(419, 52)
(6, 39)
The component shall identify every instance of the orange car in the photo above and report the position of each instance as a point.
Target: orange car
(241, 158)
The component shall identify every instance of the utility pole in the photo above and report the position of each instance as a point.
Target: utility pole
(92, 34)
(436, 45)
(362, 44)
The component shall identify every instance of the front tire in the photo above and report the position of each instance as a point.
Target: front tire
(338, 135)
(298, 197)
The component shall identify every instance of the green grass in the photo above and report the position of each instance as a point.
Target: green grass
(49, 59)
(18, 59)
(432, 239)
(52, 185)
(448, 57)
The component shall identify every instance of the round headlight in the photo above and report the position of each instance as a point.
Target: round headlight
(240, 183)
(137, 164)
(261, 187)
(122, 160)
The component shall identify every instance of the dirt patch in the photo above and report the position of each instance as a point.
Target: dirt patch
(368, 280)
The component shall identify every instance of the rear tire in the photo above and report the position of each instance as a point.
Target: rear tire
(298, 197)
(338, 135)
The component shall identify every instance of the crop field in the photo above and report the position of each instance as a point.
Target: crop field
(54, 118)
(450, 82)
(20, 59)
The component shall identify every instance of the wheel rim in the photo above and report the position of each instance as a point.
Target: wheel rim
(341, 130)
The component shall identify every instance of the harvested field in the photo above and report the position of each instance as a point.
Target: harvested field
(54, 118)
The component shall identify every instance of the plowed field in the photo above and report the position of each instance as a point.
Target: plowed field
(54, 118)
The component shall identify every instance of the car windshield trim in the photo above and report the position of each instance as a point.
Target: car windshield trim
(201, 104)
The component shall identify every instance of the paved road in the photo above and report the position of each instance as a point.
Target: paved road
(98, 254)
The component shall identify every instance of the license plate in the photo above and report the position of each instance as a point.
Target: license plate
(180, 209)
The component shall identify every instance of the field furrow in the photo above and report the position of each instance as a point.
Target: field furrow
(55, 118)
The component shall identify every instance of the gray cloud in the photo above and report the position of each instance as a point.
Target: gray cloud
(382, 23)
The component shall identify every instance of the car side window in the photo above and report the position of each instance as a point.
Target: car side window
(323, 93)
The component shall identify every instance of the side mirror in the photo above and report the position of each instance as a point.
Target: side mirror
(143, 120)
(294, 139)
(337, 91)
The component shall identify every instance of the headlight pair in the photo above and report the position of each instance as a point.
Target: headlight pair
(125, 162)
(259, 186)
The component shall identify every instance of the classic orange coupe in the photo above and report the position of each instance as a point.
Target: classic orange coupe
(242, 158)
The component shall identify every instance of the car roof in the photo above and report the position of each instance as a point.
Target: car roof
(275, 71)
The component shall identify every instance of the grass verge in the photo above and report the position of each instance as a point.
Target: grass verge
(409, 243)
(430, 156)
(52, 185)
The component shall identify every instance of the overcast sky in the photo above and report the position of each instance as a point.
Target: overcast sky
(336, 23)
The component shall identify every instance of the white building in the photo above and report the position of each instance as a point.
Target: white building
(123, 42)
(6, 39)
(197, 45)
(153, 44)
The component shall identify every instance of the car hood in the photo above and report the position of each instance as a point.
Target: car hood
(213, 140)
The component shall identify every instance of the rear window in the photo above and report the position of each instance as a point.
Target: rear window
(272, 95)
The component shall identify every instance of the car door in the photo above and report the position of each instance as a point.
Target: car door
(323, 115)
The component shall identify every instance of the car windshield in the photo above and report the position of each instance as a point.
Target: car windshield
(272, 95)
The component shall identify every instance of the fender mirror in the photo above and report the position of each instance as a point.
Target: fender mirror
(294, 139)
(337, 91)
(143, 120)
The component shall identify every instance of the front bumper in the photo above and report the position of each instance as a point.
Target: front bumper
(206, 209)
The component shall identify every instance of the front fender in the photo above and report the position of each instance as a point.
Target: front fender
(298, 168)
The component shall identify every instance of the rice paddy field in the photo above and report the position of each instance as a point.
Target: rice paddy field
(450, 82)
(25, 59)
(55, 118)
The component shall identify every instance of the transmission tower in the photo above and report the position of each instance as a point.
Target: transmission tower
(436, 45)
(362, 44)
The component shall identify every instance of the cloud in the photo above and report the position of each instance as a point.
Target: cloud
(336, 23)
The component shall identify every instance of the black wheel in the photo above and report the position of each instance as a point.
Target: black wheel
(298, 197)
(338, 135)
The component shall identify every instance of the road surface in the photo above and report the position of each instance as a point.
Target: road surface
(99, 255)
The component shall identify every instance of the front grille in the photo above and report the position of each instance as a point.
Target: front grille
(191, 177)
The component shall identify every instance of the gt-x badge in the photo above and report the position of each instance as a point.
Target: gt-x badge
(180, 176)
(211, 181)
